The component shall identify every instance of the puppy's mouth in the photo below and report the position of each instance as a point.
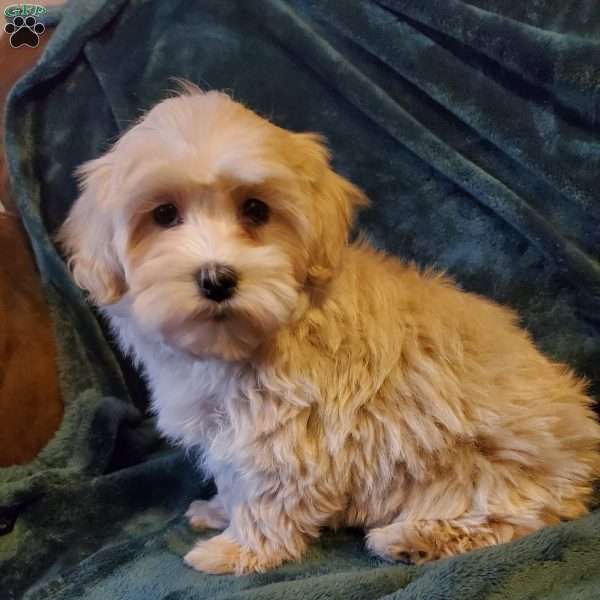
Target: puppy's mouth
(220, 312)
(212, 312)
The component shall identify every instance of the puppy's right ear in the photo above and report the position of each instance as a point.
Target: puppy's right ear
(88, 235)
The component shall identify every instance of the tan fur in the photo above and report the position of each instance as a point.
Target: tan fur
(339, 386)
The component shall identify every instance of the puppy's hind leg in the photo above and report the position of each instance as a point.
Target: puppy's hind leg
(207, 514)
(425, 540)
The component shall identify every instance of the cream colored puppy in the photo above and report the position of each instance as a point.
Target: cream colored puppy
(325, 383)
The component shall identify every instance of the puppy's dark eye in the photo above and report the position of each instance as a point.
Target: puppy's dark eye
(166, 215)
(255, 211)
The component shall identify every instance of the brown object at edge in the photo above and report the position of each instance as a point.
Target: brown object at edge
(31, 406)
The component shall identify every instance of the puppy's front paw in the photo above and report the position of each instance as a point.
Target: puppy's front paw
(206, 514)
(217, 556)
(222, 554)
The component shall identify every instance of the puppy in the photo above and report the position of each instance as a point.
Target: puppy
(324, 383)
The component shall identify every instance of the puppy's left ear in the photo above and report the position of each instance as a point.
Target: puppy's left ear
(88, 235)
(334, 201)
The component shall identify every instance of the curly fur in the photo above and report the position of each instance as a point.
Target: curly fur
(338, 387)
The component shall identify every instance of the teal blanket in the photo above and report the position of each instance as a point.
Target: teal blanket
(474, 128)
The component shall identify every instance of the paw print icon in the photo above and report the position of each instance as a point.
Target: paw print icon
(24, 32)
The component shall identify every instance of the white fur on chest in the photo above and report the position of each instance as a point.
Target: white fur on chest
(188, 395)
(221, 408)
(259, 430)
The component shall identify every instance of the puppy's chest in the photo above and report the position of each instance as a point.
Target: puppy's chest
(293, 430)
(265, 424)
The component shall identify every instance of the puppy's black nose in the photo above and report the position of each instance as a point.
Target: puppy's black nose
(217, 282)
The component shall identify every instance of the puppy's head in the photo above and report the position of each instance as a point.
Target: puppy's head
(209, 224)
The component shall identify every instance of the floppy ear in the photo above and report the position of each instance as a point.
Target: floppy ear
(87, 236)
(333, 204)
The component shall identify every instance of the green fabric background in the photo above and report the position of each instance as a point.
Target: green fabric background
(473, 127)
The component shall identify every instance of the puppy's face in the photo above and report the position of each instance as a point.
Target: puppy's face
(209, 224)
